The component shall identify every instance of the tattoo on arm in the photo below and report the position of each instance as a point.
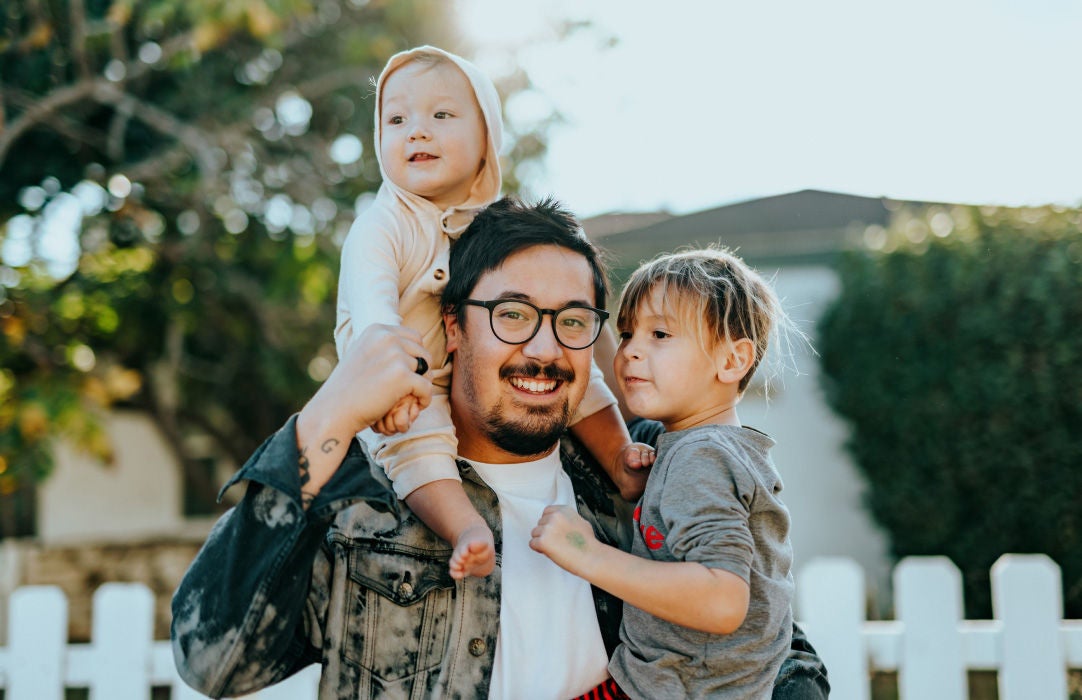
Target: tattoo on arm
(305, 468)
(306, 475)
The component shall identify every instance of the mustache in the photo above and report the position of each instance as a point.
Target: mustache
(535, 370)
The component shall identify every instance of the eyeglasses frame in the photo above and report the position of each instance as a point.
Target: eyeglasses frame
(493, 303)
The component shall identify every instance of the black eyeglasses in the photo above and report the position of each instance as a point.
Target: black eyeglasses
(516, 322)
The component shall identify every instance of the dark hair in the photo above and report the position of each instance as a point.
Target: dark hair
(507, 226)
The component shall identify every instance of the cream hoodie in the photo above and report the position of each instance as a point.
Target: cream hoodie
(393, 271)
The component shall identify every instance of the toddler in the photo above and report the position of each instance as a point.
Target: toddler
(438, 132)
(707, 586)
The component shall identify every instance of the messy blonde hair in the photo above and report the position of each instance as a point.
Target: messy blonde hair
(712, 293)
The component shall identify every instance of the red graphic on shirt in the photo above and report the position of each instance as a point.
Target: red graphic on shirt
(650, 534)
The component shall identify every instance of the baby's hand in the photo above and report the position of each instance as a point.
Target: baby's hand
(565, 537)
(632, 469)
(400, 417)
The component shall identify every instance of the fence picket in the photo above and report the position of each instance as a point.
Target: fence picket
(37, 637)
(928, 601)
(831, 603)
(123, 635)
(1027, 599)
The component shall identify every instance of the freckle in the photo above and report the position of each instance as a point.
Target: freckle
(577, 540)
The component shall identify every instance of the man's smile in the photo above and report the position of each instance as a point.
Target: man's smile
(535, 379)
(534, 386)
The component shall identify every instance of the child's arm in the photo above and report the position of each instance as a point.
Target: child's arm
(684, 593)
(421, 466)
(604, 434)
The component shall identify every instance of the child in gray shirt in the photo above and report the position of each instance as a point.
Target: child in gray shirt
(707, 586)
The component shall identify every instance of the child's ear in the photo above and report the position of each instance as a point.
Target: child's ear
(734, 360)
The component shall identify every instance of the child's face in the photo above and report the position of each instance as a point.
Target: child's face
(432, 132)
(662, 369)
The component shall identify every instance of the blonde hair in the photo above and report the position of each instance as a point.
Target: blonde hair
(713, 293)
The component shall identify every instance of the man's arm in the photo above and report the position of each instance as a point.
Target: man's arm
(376, 371)
(250, 609)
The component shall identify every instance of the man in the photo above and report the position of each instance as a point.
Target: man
(320, 564)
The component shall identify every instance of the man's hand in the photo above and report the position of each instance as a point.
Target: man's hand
(378, 370)
(632, 468)
(376, 373)
(566, 538)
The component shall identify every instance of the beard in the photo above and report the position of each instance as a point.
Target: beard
(540, 428)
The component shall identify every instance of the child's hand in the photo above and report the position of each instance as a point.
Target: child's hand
(400, 417)
(632, 469)
(565, 537)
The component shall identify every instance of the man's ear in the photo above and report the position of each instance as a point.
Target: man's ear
(452, 329)
(734, 360)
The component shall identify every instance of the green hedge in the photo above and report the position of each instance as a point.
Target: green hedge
(954, 351)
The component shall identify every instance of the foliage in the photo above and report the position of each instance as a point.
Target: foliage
(954, 353)
(175, 181)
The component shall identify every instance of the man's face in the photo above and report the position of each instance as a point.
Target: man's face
(514, 401)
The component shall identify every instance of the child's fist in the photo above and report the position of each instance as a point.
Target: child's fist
(633, 468)
(400, 417)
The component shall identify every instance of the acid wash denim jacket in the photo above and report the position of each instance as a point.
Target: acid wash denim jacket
(359, 585)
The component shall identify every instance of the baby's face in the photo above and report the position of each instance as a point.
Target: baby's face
(432, 132)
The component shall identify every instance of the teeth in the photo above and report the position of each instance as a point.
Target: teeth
(536, 386)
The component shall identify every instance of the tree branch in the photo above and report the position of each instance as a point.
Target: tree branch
(158, 119)
(61, 123)
(77, 13)
(114, 145)
(43, 110)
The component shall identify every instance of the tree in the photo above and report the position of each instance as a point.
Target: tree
(955, 356)
(176, 178)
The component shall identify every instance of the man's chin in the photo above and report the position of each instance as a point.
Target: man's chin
(533, 434)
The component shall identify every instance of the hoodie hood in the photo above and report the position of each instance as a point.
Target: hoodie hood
(486, 186)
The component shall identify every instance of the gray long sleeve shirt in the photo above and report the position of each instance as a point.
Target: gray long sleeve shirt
(712, 498)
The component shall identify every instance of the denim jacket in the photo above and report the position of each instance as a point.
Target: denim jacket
(359, 585)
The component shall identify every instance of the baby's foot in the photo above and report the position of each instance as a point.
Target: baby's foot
(475, 553)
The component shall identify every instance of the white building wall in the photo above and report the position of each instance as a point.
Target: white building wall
(823, 489)
(137, 497)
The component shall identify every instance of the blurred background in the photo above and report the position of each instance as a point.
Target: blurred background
(176, 179)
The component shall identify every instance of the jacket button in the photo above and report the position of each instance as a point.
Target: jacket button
(477, 646)
(405, 589)
(439, 274)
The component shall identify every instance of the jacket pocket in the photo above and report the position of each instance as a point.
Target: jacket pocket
(400, 606)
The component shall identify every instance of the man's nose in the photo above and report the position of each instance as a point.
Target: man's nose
(543, 346)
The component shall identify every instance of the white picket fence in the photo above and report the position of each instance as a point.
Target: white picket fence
(929, 645)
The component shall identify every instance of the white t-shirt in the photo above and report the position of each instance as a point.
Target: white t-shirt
(549, 645)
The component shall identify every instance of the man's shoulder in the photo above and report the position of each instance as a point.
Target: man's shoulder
(593, 488)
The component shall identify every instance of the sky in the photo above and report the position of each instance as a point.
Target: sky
(691, 104)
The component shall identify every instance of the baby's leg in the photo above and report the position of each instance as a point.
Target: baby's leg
(444, 507)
